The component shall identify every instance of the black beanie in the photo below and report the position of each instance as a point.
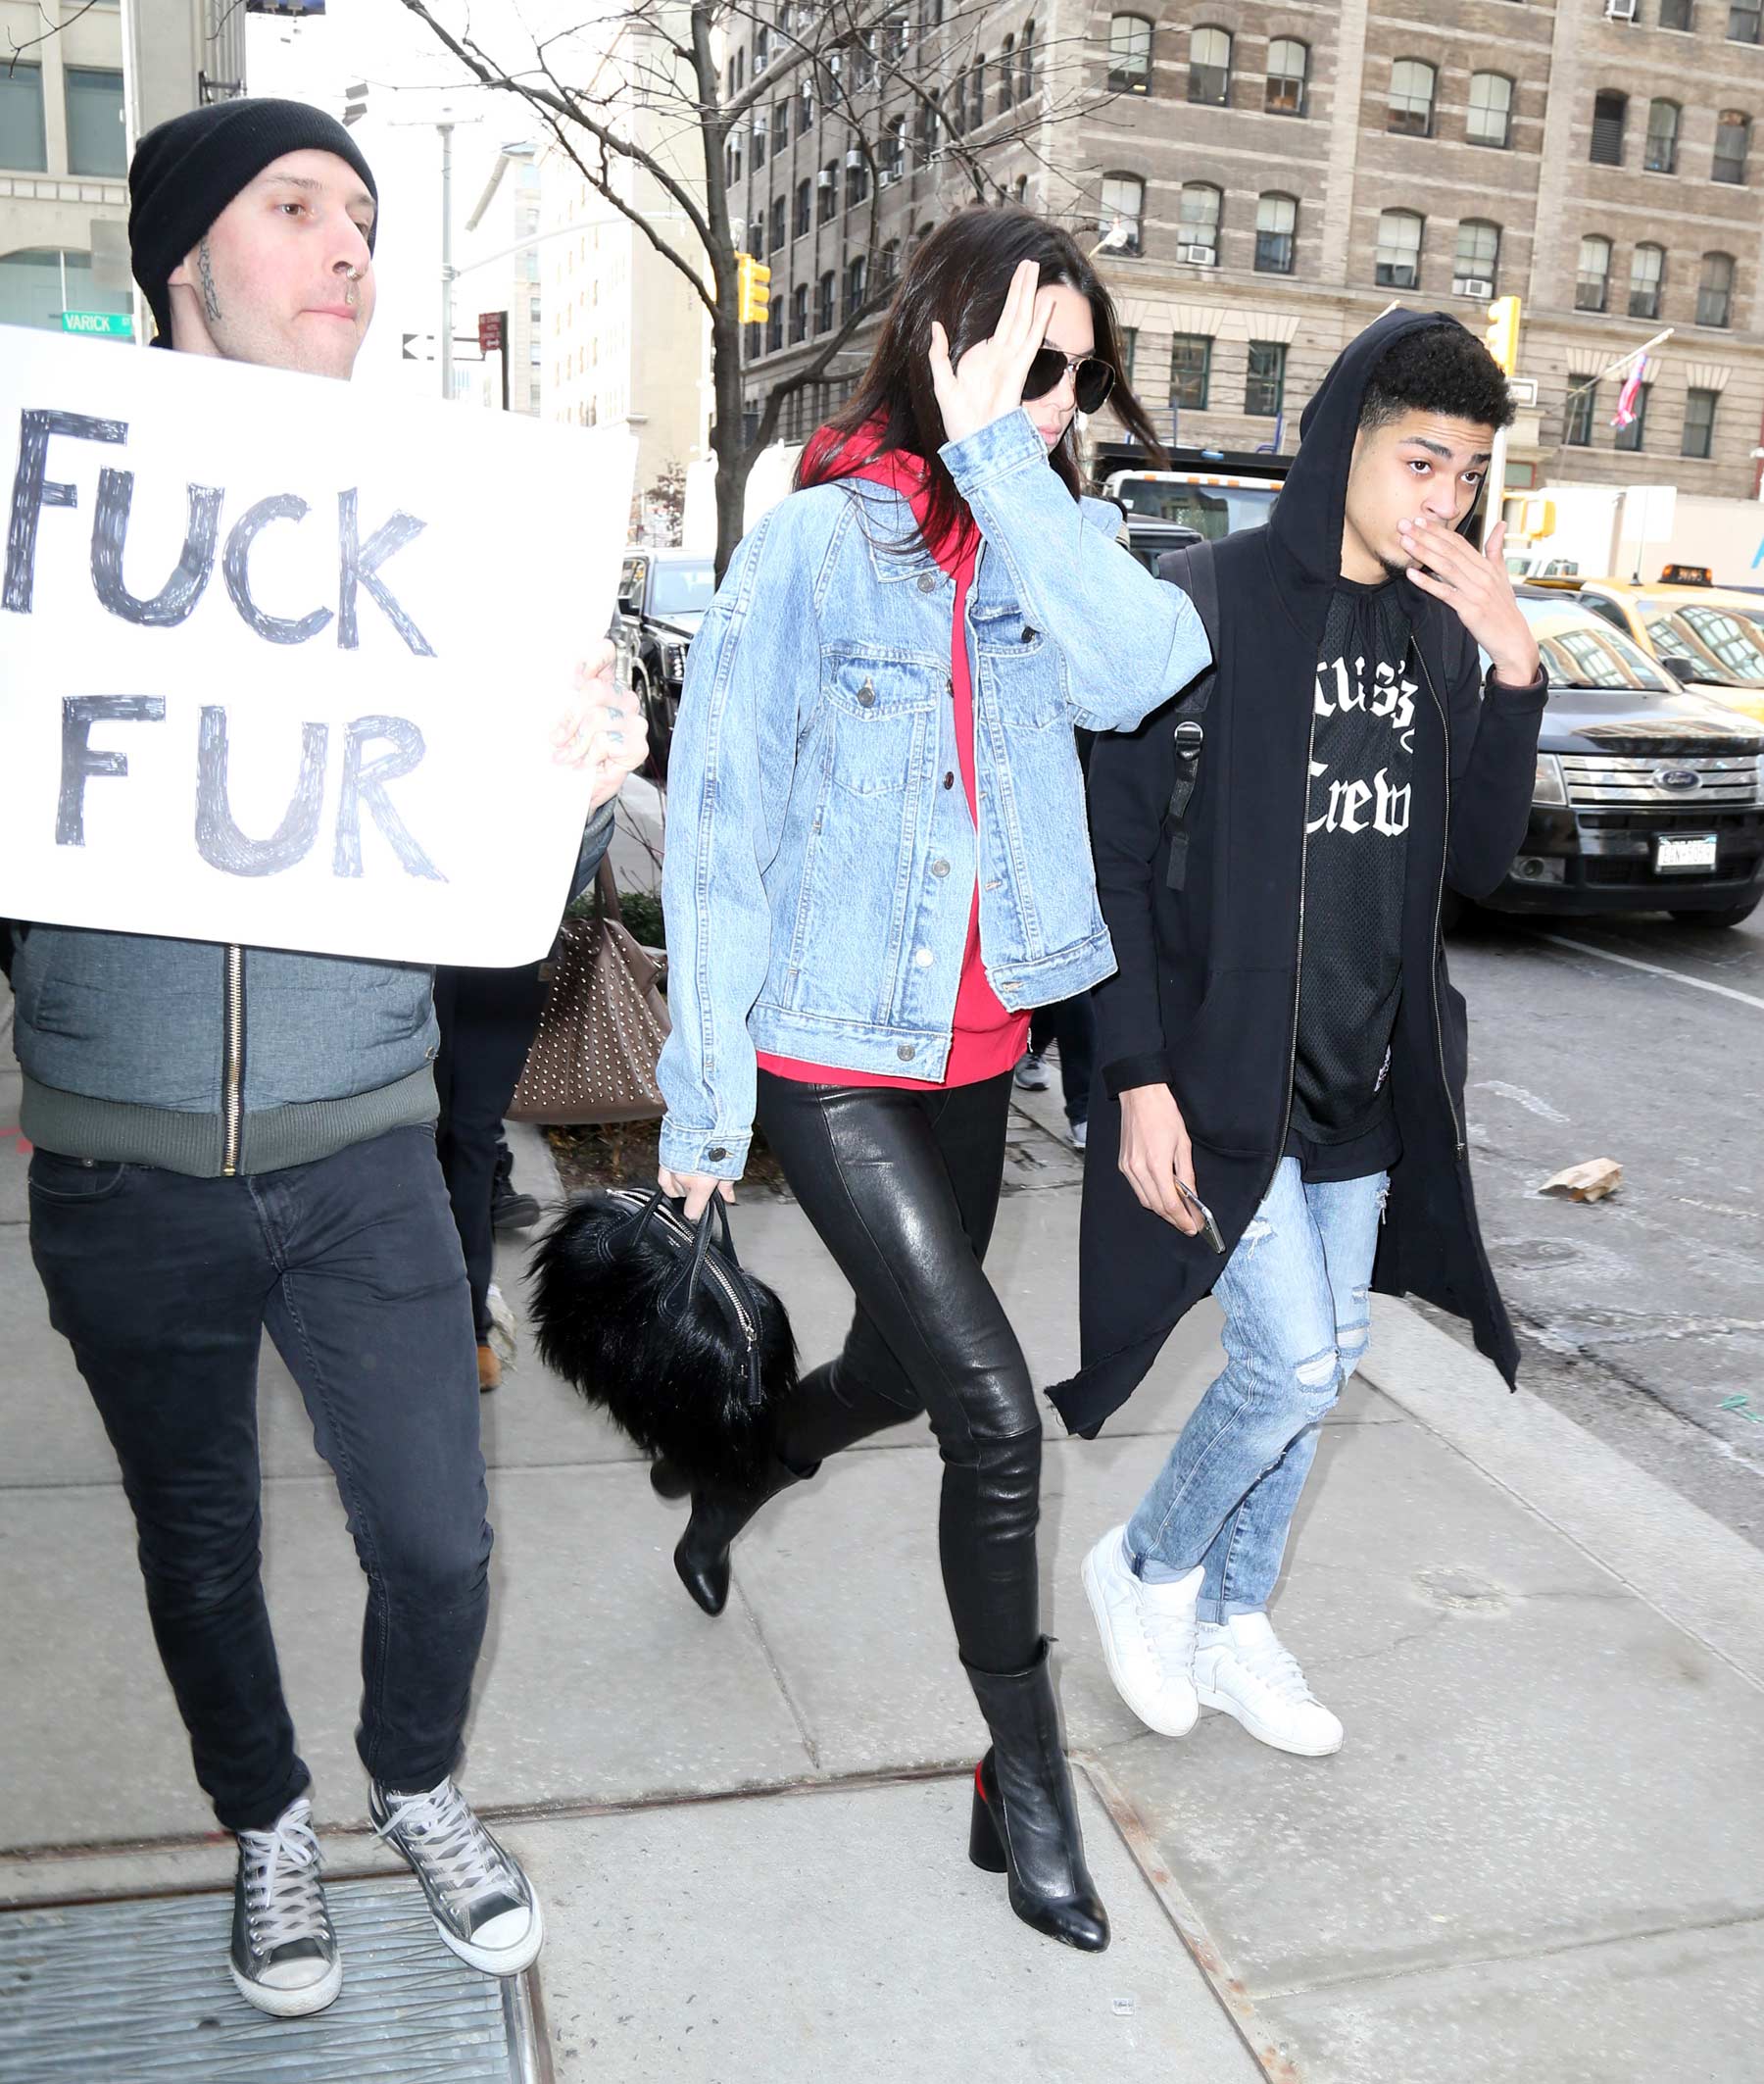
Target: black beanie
(187, 169)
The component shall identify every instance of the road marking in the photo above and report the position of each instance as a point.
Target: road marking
(1529, 1101)
(1654, 969)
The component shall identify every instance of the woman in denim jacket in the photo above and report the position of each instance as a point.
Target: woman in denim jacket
(877, 864)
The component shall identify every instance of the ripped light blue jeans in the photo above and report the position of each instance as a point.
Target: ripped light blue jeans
(1296, 1328)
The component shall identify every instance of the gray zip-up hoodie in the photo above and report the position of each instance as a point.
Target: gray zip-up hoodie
(216, 1060)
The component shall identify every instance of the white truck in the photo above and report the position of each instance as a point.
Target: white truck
(1633, 533)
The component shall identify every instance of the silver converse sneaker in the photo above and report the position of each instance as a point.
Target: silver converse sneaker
(482, 1904)
(284, 1953)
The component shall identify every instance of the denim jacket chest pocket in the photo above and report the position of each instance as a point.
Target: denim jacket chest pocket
(883, 709)
(1017, 666)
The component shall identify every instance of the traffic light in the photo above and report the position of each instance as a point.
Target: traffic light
(753, 295)
(1501, 335)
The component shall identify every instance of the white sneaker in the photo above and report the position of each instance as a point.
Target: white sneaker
(482, 1903)
(1147, 1636)
(1242, 1667)
(1079, 1132)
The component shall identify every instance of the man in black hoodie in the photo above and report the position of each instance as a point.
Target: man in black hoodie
(1282, 1053)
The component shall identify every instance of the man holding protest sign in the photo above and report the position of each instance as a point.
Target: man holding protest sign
(232, 1138)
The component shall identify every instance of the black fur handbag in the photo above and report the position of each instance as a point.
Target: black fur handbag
(658, 1324)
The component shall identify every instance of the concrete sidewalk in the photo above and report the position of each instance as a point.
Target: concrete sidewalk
(1540, 1854)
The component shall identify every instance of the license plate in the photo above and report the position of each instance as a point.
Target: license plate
(1676, 853)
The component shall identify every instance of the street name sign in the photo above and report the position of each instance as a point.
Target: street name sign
(102, 325)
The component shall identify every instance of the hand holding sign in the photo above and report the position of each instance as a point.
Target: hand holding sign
(606, 735)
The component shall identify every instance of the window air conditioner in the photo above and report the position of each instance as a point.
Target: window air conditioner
(1621, 10)
(823, 180)
(853, 159)
(1198, 255)
(1472, 287)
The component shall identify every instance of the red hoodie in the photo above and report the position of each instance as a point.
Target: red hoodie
(987, 1039)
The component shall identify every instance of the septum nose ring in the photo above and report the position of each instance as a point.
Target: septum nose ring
(351, 276)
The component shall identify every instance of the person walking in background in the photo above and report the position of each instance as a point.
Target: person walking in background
(232, 1139)
(877, 865)
(1071, 1029)
(1282, 1041)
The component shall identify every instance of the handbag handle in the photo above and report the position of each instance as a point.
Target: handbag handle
(605, 888)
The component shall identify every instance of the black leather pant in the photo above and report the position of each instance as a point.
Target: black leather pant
(903, 1188)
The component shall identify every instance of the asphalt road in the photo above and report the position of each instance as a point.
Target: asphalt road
(1640, 1316)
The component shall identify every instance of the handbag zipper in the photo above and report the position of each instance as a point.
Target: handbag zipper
(717, 1274)
(1439, 904)
(232, 1070)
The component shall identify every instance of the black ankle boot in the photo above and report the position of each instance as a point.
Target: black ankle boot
(823, 1413)
(1025, 1821)
(718, 1515)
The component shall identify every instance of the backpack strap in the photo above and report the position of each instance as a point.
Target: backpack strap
(1192, 571)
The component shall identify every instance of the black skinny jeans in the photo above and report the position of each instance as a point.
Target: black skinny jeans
(163, 1286)
(488, 1018)
(903, 1188)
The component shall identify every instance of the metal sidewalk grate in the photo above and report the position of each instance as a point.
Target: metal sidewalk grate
(130, 1993)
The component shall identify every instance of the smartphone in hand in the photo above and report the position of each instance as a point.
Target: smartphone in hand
(1209, 1229)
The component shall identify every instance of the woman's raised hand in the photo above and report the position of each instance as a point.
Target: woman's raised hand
(989, 382)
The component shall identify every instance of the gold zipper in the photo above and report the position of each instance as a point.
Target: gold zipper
(232, 1074)
(1439, 904)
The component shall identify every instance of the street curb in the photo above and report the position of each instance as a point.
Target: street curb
(1700, 1575)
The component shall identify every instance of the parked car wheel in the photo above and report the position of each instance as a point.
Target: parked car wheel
(1728, 915)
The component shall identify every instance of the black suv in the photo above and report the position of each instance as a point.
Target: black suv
(663, 595)
(1649, 797)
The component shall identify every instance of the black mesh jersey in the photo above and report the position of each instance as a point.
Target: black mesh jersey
(1351, 972)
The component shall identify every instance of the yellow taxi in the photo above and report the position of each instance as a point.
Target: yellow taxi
(1710, 637)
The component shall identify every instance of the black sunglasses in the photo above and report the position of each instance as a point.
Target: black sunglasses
(1092, 381)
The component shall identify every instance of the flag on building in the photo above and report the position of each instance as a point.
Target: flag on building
(1626, 398)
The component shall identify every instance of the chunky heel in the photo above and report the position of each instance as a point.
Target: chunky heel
(986, 1848)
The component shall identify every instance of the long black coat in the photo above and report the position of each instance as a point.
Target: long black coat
(1205, 996)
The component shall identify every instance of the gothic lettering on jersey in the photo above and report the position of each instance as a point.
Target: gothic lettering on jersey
(1347, 798)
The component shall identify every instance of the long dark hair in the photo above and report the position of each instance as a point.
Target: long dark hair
(960, 277)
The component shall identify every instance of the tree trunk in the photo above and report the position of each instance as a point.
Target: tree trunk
(728, 440)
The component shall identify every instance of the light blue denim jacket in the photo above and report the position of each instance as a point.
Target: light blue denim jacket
(821, 859)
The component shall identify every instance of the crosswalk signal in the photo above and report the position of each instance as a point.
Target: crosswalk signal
(753, 293)
(1501, 334)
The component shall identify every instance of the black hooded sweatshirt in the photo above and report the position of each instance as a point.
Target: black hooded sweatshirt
(1206, 993)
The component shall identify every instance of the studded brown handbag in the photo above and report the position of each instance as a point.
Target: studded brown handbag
(603, 1027)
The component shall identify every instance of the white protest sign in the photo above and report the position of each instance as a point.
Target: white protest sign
(280, 665)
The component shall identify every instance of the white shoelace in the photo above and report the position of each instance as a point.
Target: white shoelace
(283, 1897)
(1273, 1665)
(449, 1838)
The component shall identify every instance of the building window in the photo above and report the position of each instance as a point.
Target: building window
(1289, 70)
(1582, 415)
(1675, 14)
(857, 181)
(780, 125)
(1744, 19)
(774, 326)
(1021, 190)
(958, 106)
(1191, 370)
(1476, 264)
(887, 263)
(1489, 121)
(806, 107)
(1412, 97)
(1129, 351)
(1592, 283)
(1265, 388)
(977, 92)
(1647, 265)
(95, 142)
(1715, 290)
(1129, 55)
(827, 182)
(1398, 261)
(1700, 424)
(1733, 138)
(805, 210)
(1661, 153)
(823, 303)
(22, 138)
(857, 286)
(1123, 205)
(798, 314)
(1026, 63)
(1630, 437)
(1276, 235)
(1198, 221)
(759, 140)
(1209, 68)
(780, 205)
(928, 138)
(1609, 108)
(893, 150)
(1006, 74)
